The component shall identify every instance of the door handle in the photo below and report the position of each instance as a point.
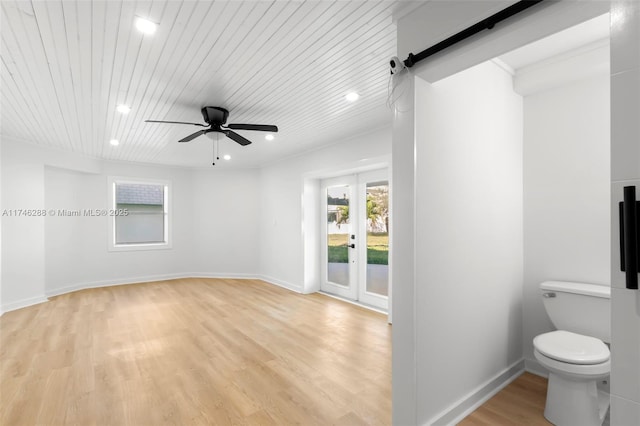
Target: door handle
(629, 216)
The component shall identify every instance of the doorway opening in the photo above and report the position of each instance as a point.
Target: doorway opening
(355, 237)
(513, 189)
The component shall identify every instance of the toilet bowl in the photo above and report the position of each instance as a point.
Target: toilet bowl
(575, 355)
(576, 363)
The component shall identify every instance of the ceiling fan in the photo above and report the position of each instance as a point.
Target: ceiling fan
(216, 117)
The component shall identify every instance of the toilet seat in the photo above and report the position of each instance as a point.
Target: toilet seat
(565, 346)
(583, 371)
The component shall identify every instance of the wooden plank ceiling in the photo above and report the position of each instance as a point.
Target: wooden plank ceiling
(66, 65)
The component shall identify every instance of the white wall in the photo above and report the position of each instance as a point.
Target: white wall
(67, 252)
(76, 253)
(23, 254)
(468, 235)
(282, 186)
(226, 208)
(566, 193)
(23, 236)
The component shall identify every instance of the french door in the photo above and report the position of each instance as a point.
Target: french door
(355, 237)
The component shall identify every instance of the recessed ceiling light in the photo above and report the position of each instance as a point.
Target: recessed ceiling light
(114, 142)
(146, 26)
(352, 96)
(227, 157)
(269, 137)
(124, 109)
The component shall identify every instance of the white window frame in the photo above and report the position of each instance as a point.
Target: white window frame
(168, 212)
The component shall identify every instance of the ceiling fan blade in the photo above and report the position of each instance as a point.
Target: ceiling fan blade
(193, 136)
(236, 137)
(259, 127)
(174, 122)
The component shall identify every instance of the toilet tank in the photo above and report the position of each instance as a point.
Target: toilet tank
(578, 307)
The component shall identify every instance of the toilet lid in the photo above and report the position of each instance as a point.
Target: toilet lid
(571, 347)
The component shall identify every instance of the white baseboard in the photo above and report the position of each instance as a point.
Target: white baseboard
(280, 283)
(268, 280)
(354, 302)
(113, 282)
(19, 304)
(12, 306)
(228, 276)
(474, 399)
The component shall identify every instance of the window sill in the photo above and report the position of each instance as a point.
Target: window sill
(139, 247)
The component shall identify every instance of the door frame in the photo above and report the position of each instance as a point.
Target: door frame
(357, 288)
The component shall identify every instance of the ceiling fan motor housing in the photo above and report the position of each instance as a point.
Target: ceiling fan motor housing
(214, 115)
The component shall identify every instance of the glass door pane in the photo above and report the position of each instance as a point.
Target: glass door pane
(377, 221)
(338, 234)
(339, 272)
(373, 217)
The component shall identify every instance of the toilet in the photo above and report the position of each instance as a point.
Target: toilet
(575, 355)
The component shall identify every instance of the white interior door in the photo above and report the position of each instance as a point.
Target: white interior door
(355, 237)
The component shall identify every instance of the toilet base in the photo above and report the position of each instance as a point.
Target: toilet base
(574, 402)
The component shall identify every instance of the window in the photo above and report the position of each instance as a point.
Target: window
(139, 214)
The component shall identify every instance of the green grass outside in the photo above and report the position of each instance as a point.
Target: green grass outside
(377, 248)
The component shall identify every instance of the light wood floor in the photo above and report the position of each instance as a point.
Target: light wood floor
(194, 351)
(519, 403)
